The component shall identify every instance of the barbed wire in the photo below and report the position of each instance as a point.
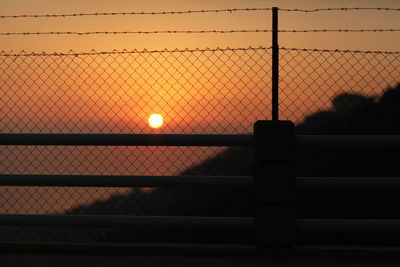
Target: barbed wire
(134, 51)
(187, 50)
(226, 10)
(339, 9)
(133, 32)
(340, 30)
(341, 51)
(195, 31)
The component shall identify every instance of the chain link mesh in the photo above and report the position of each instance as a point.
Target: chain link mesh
(197, 91)
(314, 81)
(221, 91)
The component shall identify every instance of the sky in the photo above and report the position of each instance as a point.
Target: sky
(219, 21)
(186, 88)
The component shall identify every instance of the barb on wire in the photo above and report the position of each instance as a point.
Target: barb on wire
(226, 10)
(135, 51)
(195, 31)
(187, 50)
(171, 12)
(340, 30)
(339, 9)
(132, 32)
(340, 51)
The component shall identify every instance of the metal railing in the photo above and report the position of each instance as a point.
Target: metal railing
(126, 139)
(286, 218)
(305, 141)
(125, 181)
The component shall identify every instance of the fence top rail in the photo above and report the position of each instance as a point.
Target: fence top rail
(125, 181)
(303, 141)
(127, 139)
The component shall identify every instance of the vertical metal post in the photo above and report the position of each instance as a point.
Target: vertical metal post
(275, 65)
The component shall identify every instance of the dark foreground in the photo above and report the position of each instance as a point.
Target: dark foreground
(131, 255)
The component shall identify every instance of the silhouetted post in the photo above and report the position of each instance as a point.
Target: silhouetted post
(274, 183)
(275, 65)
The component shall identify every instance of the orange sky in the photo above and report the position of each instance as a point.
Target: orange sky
(67, 93)
(253, 20)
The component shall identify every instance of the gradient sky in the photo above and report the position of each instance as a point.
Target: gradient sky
(160, 96)
(245, 20)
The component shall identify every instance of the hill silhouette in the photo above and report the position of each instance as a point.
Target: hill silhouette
(351, 114)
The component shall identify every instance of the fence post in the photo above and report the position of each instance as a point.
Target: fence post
(274, 183)
(275, 65)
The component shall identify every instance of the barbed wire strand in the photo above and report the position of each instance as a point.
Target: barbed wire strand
(195, 31)
(136, 51)
(340, 51)
(340, 30)
(187, 50)
(339, 9)
(226, 10)
(132, 32)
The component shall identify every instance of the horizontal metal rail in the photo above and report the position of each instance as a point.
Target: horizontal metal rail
(349, 141)
(350, 226)
(303, 184)
(128, 221)
(127, 139)
(303, 141)
(125, 181)
(309, 184)
(304, 226)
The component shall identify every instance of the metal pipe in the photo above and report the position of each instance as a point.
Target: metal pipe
(127, 139)
(303, 184)
(350, 226)
(128, 221)
(275, 65)
(304, 226)
(125, 181)
(383, 184)
(302, 141)
(348, 141)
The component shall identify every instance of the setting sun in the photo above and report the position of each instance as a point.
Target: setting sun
(155, 121)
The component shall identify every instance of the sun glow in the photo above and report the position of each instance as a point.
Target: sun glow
(155, 121)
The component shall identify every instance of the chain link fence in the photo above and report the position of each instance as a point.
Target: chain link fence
(320, 88)
(221, 91)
